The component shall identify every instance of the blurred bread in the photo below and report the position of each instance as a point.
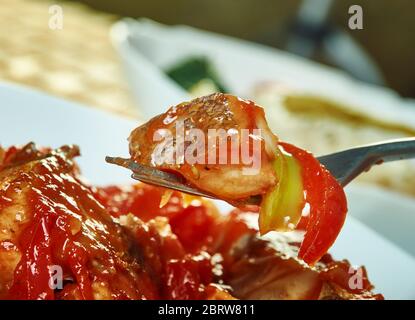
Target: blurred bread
(77, 62)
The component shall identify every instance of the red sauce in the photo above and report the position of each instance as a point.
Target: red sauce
(57, 234)
(190, 223)
(49, 232)
(186, 278)
(166, 253)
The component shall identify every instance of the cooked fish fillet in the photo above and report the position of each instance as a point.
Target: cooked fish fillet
(214, 112)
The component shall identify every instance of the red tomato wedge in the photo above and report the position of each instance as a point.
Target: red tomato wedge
(327, 206)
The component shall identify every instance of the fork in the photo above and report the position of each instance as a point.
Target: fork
(344, 165)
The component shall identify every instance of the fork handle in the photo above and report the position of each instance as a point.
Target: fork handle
(347, 165)
(393, 150)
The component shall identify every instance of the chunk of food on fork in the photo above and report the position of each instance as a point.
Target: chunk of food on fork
(217, 135)
(221, 144)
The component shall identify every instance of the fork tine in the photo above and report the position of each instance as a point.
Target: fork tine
(142, 169)
(171, 185)
(156, 177)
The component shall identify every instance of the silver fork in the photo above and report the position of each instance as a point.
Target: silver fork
(344, 165)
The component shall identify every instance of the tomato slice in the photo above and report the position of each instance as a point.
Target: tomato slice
(326, 202)
(32, 275)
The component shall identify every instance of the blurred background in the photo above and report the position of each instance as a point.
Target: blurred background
(79, 61)
(387, 36)
(27, 44)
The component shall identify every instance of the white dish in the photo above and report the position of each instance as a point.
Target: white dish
(147, 48)
(28, 115)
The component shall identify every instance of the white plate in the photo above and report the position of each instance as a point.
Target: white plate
(147, 48)
(28, 115)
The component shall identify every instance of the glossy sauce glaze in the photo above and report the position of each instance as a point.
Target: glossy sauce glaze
(70, 229)
(118, 243)
(249, 266)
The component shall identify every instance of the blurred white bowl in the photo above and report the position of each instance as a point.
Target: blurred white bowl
(147, 48)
